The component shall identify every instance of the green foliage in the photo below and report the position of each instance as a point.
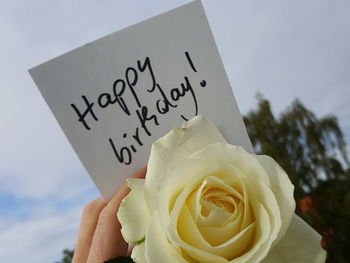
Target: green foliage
(309, 149)
(313, 153)
(330, 214)
(67, 256)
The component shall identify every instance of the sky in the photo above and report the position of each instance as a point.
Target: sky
(282, 49)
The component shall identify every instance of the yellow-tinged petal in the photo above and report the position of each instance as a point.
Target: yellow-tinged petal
(133, 213)
(157, 247)
(261, 237)
(260, 169)
(138, 253)
(186, 174)
(282, 188)
(175, 146)
(192, 239)
(300, 244)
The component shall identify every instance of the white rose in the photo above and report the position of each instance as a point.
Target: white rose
(204, 200)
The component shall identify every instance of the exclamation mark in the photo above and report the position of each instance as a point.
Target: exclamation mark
(203, 83)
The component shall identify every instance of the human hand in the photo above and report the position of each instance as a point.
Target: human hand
(99, 237)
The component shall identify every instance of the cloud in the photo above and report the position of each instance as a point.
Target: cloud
(286, 50)
(40, 240)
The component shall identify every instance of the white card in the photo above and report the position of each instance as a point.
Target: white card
(115, 96)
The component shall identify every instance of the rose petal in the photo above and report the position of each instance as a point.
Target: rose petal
(217, 217)
(300, 244)
(255, 184)
(219, 235)
(200, 208)
(261, 237)
(211, 226)
(190, 239)
(158, 249)
(257, 168)
(133, 213)
(262, 201)
(189, 229)
(282, 188)
(175, 146)
(185, 174)
(138, 253)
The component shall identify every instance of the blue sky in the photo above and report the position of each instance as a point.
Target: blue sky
(283, 49)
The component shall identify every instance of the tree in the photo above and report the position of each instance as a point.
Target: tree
(310, 150)
(313, 153)
(67, 256)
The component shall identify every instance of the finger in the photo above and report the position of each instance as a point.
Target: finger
(108, 241)
(88, 224)
(140, 173)
(114, 204)
(130, 248)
